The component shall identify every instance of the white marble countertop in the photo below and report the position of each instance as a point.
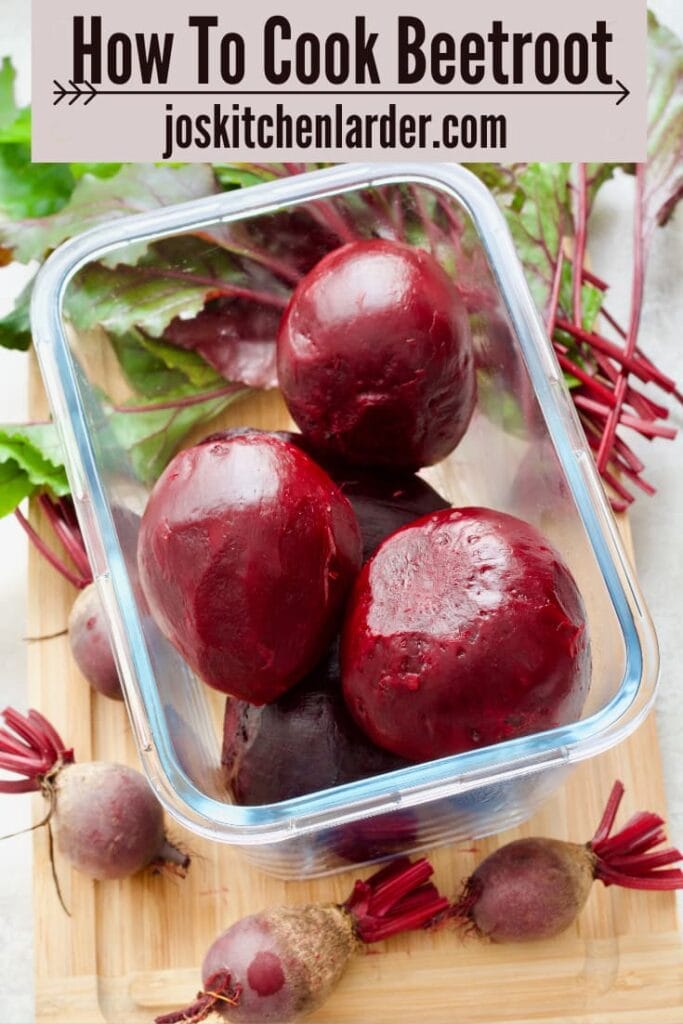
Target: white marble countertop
(657, 522)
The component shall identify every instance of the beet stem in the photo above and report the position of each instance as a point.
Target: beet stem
(635, 863)
(637, 289)
(217, 286)
(39, 751)
(77, 581)
(580, 245)
(394, 899)
(389, 893)
(69, 536)
(185, 402)
(171, 859)
(609, 814)
(623, 858)
(555, 290)
(656, 881)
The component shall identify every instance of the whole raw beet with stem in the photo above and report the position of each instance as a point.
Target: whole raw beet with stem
(535, 888)
(107, 820)
(374, 357)
(90, 644)
(304, 741)
(246, 553)
(283, 963)
(464, 629)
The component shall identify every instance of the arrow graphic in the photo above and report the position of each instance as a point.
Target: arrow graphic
(75, 92)
(87, 90)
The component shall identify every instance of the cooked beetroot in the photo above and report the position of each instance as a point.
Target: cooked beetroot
(108, 822)
(374, 356)
(304, 741)
(465, 628)
(283, 963)
(90, 644)
(383, 499)
(375, 838)
(535, 888)
(246, 553)
(386, 500)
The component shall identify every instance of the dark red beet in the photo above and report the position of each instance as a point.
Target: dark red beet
(383, 499)
(464, 629)
(304, 741)
(374, 838)
(375, 357)
(90, 644)
(107, 820)
(535, 888)
(283, 963)
(246, 553)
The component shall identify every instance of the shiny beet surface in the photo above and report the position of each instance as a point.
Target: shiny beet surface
(375, 357)
(383, 499)
(246, 554)
(302, 742)
(464, 629)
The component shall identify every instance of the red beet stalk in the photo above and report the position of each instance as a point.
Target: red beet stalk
(64, 525)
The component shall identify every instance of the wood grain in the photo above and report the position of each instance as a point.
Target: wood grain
(133, 949)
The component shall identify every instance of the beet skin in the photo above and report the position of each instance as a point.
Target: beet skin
(286, 961)
(246, 553)
(304, 741)
(464, 629)
(374, 357)
(383, 499)
(90, 644)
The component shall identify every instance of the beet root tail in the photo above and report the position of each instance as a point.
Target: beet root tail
(170, 860)
(219, 992)
(625, 858)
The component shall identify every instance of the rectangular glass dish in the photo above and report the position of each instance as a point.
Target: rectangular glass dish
(524, 453)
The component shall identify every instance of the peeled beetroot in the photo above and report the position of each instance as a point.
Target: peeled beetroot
(304, 741)
(90, 644)
(283, 963)
(535, 888)
(374, 356)
(383, 499)
(108, 822)
(246, 553)
(464, 629)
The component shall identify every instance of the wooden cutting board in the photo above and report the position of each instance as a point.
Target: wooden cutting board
(132, 949)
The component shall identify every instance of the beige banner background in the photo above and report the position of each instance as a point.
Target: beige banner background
(117, 125)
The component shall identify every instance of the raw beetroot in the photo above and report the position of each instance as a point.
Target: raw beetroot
(464, 629)
(304, 741)
(90, 644)
(281, 964)
(108, 822)
(374, 356)
(535, 888)
(246, 552)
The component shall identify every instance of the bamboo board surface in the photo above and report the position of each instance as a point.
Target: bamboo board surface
(133, 949)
